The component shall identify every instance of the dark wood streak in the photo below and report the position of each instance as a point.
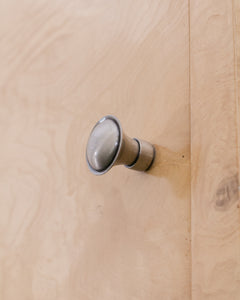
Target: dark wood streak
(227, 193)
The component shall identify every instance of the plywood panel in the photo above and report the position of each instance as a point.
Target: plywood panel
(237, 61)
(237, 44)
(215, 173)
(65, 234)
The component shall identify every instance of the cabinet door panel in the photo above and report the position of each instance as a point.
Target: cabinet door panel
(214, 152)
(66, 234)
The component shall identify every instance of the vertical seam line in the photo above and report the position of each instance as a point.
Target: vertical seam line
(190, 139)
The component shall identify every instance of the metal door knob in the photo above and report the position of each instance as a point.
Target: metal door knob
(108, 146)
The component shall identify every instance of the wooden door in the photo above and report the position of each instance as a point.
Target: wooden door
(168, 70)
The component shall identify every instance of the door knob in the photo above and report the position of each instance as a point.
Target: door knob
(108, 146)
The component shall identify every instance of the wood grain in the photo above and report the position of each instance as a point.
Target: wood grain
(65, 234)
(237, 63)
(214, 155)
(237, 44)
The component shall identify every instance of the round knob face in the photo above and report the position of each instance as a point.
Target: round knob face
(103, 144)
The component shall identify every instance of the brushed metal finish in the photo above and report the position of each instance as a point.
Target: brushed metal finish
(108, 145)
